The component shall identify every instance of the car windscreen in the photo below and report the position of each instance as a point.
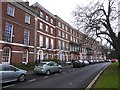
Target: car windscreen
(81, 61)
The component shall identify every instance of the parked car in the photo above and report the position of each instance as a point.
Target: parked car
(91, 61)
(82, 63)
(97, 61)
(47, 68)
(77, 63)
(86, 62)
(11, 73)
(113, 60)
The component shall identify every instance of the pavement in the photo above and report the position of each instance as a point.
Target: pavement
(63, 66)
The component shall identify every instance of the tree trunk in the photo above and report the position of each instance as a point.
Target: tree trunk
(119, 59)
(119, 62)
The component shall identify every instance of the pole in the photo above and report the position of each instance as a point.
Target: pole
(35, 40)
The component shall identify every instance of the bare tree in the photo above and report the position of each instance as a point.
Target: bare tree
(100, 20)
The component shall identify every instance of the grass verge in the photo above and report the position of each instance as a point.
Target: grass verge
(109, 78)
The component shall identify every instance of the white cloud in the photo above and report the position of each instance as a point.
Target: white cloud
(62, 8)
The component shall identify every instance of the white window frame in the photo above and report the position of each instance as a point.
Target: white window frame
(63, 34)
(7, 28)
(27, 18)
(63, 45)
(63, 26)
(47, 18)
(52, 30)
(59, 23)
(10, 10)
(52, 43)
(9, 56)
(71, 38)
(52, 56)
(47, 28)
(47, 42)
(59, 44)
(51, 20)
(66, 28)
(76, 33)
(76, 40)
(41, 25)
(66, 36)
(25, 62)
(26, 43)
(67, 46)
(59, 33)
(41, 14)
(40, 40)
(46, 55)
(71, 31)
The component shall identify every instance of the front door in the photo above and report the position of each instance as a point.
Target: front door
(40, 56)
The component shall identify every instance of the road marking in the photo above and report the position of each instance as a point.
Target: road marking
(70, 83)
(32, 80)
(74, 69)
(45, 76)
(93, 81)
(63, 72)
(56, 74)
(9, 86)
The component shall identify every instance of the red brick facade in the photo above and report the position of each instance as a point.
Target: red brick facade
(47, 36)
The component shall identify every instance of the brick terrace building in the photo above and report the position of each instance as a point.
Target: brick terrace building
(32, 33)
(18, 26)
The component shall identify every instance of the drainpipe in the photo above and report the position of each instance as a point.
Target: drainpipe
(35, 40)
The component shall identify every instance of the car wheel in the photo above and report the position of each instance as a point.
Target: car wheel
(48, 72)
(22, 78)
(60, 70)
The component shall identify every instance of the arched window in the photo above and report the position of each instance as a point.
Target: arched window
(46, 55)
(40, 56)
(51, 56)
(72, 57)
(60, 56)
(25, 56)
(6, 55)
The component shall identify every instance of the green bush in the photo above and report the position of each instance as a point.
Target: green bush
(27, 67)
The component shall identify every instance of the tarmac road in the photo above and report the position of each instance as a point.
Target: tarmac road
(68, 78)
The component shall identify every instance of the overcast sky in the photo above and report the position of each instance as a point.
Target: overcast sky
(61, 8)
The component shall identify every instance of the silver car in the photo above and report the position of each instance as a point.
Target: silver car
(47, 68)
(86, 62)
(9, 73)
